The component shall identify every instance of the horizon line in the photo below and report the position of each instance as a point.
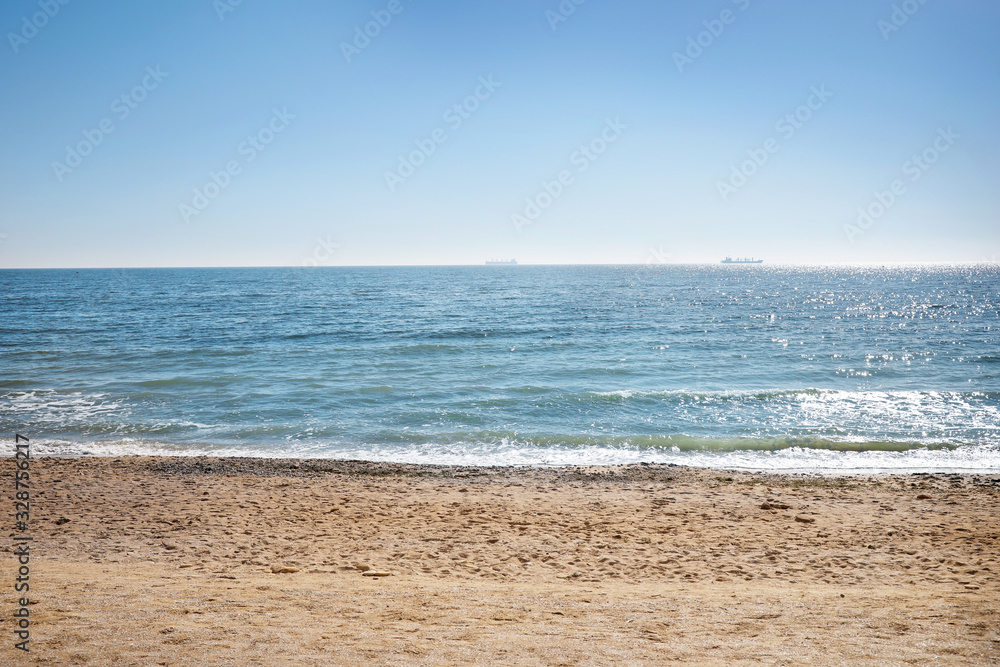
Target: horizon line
(519, 264)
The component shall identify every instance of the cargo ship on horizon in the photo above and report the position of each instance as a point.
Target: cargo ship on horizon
(742, 260)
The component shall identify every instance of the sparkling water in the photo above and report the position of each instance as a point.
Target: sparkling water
(743, 366)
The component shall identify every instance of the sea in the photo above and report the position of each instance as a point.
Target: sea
(824, 369)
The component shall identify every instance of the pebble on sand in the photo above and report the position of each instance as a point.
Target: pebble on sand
(804, 519)
(283, 569)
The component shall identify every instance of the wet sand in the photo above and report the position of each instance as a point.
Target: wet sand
(198, 561)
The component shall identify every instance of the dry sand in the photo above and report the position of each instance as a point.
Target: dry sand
(197, 561)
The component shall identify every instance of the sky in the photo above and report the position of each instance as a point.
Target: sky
(253, 133)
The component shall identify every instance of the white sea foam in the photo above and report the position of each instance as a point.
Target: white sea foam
(969, 458)
(64, 409)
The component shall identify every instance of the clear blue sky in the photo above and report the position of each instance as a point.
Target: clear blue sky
(670, 120)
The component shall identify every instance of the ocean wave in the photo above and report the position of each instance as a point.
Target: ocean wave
(63, 408)
(680, 395)
(750, 419)
(818, 457)
(769, 394)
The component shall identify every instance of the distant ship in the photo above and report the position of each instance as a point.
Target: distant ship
(501, 261)
(742, 260)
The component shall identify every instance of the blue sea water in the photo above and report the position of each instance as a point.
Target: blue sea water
(763, 367)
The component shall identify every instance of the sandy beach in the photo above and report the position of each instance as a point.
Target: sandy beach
(199, 561)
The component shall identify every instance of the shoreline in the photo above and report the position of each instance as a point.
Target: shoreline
(202, 560)
(793, 472)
